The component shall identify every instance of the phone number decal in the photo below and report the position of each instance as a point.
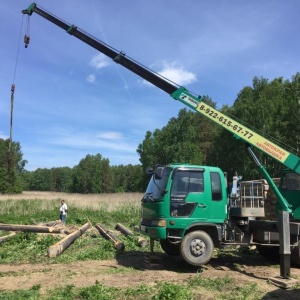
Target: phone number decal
(236, 128)
(243, 132)
(223, 120)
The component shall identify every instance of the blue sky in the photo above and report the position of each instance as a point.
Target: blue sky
(70, 101)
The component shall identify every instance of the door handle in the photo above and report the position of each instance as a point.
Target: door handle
(201, 205)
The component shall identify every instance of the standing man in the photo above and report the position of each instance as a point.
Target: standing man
(63, 211)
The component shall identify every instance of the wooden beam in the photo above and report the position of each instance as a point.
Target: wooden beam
(107, 234)
(30, 228)
(7, 237)
(62, 245)
(123, 229)
(140, 240)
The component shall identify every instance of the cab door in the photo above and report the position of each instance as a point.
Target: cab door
(188, 198)
(198, 195)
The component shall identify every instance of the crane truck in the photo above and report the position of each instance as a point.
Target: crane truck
(188, 208)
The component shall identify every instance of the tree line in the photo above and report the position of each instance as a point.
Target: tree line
(270, 108)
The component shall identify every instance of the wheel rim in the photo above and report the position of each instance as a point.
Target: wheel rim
(197, 247)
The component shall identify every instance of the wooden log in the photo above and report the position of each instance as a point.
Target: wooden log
(107, 234)
(51, 223)
(62, 245)
(141, 241)
(137, 228)
(30, 228)
(123, 229)
(6, 237)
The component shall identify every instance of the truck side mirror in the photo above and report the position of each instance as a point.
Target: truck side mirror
(149, 171)
(159, 172)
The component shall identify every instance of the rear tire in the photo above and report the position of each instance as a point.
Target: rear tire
(172, 249)
(197, 248)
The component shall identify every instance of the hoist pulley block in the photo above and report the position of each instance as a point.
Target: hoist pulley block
(26, 40)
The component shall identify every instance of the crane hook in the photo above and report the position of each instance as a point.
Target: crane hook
(26, 40)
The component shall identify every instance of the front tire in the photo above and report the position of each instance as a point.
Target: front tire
(197, 248)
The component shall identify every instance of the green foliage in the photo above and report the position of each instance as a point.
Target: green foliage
(26, 247)
(212, 284)
(225, 288)
(186, 139)
(98, 292)
(269, 108)
(139, 292)
(65, 293)
(55, 179)
(171, 291)
(11, 167)
(92, 176)
(128, 178)
(33, 293)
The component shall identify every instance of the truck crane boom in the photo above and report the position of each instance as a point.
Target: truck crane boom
(177, 92)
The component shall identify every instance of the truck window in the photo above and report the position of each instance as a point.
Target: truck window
(185, 182)
(216, 187)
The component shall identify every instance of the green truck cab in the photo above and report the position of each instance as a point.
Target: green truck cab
(186, 206)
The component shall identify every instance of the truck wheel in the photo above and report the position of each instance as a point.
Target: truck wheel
(295, 256)
(172, 249)
(197, 248)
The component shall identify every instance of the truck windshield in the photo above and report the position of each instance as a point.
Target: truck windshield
(157, 187)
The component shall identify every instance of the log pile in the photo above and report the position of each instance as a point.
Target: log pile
(56, 227)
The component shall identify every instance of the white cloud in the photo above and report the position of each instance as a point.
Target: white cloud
(91, 140)
(99, 61)
(91, 78)
(263, 66)
(110, 135)
(174, 72)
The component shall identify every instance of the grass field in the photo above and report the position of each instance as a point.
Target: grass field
(91, 267)
(91, 201)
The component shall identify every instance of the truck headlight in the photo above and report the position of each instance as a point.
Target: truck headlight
(159, 223)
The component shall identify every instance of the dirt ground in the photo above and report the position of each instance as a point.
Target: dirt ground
(131, 269)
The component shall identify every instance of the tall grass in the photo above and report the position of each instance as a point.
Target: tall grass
(110, 201)
(35, 207)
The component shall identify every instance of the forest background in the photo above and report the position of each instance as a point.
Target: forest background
(270, 108)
